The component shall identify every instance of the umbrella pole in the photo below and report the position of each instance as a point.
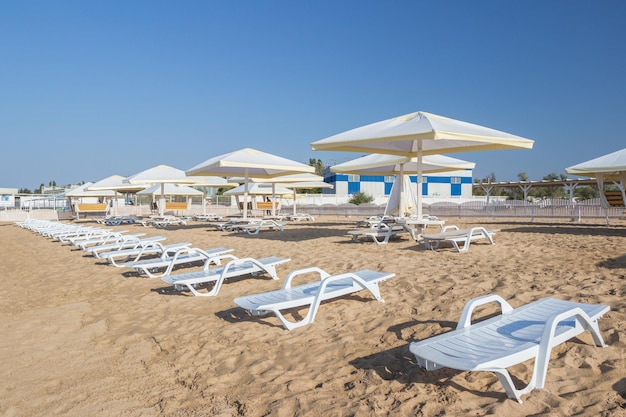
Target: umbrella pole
(419, 178)
(162, 200)
(400, 206)
(273, 198)
(245, 195)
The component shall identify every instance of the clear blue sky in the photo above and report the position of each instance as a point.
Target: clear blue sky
(90, 89)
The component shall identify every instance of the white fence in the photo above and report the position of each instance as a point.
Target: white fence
(321, 205)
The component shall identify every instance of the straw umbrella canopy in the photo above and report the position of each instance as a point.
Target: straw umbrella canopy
(418, 134)
(248, 163)
(610, 166)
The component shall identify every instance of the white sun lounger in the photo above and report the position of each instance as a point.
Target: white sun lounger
(382, 233)
(460, 238)
(68, 232)
(300, 216)
(234, 268)
(156, 268)
(311, 294)
(126, 242)
(120, 257)
(103, 239)
(94, 233)
(256, 227)
(163, 221)
(515, 336)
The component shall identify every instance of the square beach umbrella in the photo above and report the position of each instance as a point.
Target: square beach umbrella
(418, 134)
(379, 164)
(611, 166)
(248, 163)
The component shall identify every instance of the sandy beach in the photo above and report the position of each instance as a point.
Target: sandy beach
(81, 338)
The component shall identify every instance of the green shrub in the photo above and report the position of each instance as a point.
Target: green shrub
(360, 198)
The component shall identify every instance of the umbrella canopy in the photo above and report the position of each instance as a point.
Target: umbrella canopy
(249, 163)
(117, 183)
(85, 191)
(304, 180)
(418, 134)
(170, 189)
(610, 166)
(377, 164)
(161, 174)
(259, 189)
(300, 177)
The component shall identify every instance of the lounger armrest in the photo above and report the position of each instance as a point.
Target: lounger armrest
(466, 315)
(547, 340)
(450, 228)
(372, 287)
(323, 274)
(209, 260)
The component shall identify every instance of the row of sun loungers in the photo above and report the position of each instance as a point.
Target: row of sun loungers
(514, 336)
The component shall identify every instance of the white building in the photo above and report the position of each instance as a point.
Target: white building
(448, 184)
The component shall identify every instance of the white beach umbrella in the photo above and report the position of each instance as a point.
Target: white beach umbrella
(419, 134)
(248, 163)
(117, 184)
(170, 189)
(379, 164)
(264, 189)
(398, 202)
(610, 166)
(161, 174)
(85, 191)
(301, 181)
(256, 188)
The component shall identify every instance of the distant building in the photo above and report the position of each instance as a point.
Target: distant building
(7, 197)
(448, 184)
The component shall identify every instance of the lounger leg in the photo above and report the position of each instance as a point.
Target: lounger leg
(513, 393)
(310, 316)
(542, 360)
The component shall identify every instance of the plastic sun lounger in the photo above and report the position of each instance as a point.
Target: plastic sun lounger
(381, 234)
(163, 221)
(126, 242)
(234, 268)
(184, 256)
(513, 337)
(255, 228)
(69, 232)
(103, 239)
(94, 233)
(207, 217)
(120, 257)
(311, 294)
(300, 216)
(460, 238)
